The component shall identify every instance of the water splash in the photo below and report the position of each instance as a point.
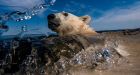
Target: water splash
(27, 14)
(22, 15)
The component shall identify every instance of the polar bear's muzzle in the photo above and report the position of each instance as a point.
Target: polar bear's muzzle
(51, 16)
(52, 22)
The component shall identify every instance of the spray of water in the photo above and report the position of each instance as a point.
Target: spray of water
(23, 15)
(28, 13)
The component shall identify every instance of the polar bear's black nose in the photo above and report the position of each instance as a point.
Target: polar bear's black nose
(51, 16)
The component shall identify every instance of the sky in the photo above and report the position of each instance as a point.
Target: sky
(106, 14)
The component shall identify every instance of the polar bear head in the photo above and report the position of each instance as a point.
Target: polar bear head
(65, 23)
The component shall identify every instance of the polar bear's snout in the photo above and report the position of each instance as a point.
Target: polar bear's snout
(51, 16)
(53, 24)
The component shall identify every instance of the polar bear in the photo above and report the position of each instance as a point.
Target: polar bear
(65, 23)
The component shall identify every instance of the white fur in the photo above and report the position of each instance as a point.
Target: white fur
(71, 24)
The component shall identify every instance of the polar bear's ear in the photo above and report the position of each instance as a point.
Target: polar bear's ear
(86, 19)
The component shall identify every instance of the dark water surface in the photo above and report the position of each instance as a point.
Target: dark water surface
(68, 58)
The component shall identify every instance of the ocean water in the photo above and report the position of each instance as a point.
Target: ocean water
(131, 68)
(131, 44)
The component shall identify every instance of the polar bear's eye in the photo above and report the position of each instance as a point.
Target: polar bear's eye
(65, 14)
